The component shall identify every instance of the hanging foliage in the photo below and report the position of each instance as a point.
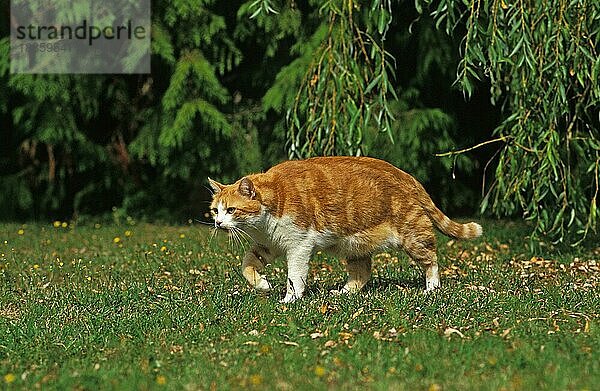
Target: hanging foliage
(346, 84)
(542, 59)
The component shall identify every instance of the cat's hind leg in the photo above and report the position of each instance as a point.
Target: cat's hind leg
(359, 273)
(422, 250)
(254, 262)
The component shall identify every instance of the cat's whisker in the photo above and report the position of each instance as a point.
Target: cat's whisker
(205, 222)
(239, 234)
(246, 235)
(230, 241)
(238, 238)
(213, 234)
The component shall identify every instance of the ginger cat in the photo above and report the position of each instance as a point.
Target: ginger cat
(350, 207)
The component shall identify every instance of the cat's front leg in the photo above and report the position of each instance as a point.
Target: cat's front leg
(298, 264)
(254, 261)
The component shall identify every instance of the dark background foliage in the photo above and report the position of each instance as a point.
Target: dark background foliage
(215, 104)
(228, 95)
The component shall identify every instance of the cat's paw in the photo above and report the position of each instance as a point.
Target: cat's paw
(289, 299)
(339, 292)
(263, 285)
(431, 289)
(432, 285)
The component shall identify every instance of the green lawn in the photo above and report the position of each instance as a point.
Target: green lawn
(159, 307)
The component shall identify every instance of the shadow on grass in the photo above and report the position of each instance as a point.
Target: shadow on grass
(375, 285)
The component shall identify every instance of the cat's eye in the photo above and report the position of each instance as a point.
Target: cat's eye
(215, 211)
(230, 210)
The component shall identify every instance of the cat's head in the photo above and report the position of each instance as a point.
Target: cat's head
(234, 205)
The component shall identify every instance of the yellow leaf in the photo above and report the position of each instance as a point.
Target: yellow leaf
(330, 344)
(586, 328)
(323, 308)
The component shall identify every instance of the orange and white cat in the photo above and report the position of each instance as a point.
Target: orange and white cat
(350, 207)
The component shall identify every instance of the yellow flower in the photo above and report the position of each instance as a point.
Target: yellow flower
(160, 379)
(36, 266)
(21, 231)
(319, 371)
(265, 349)
(117, 239)
(182, 236)
(128, 233)
(9, 378)
(64, 224)
(256, 380)
(163, 248)
(56, 224)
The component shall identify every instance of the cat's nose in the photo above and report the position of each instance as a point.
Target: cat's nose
(218, 223)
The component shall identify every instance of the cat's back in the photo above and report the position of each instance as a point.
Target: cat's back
(338, 169)
(343, 194)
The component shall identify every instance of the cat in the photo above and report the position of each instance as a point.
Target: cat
(350, 207)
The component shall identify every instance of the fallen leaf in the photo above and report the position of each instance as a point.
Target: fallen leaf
(450, 330)
(357, 313)
(586, 328)
(344, 335)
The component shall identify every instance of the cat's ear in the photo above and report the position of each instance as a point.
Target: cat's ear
(216, 186)
(247, 188)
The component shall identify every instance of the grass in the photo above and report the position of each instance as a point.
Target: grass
(159, 307)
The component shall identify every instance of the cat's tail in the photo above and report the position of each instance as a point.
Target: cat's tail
(443, 222)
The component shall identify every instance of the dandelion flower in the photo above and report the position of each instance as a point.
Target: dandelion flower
(160, 379)
(256, 380)
(117, 239)
(21, 231)
(9, 378)
(182, 236)
(56, 224)
(128, 233)
(163, 248)
(64, 224)
(319, 371)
